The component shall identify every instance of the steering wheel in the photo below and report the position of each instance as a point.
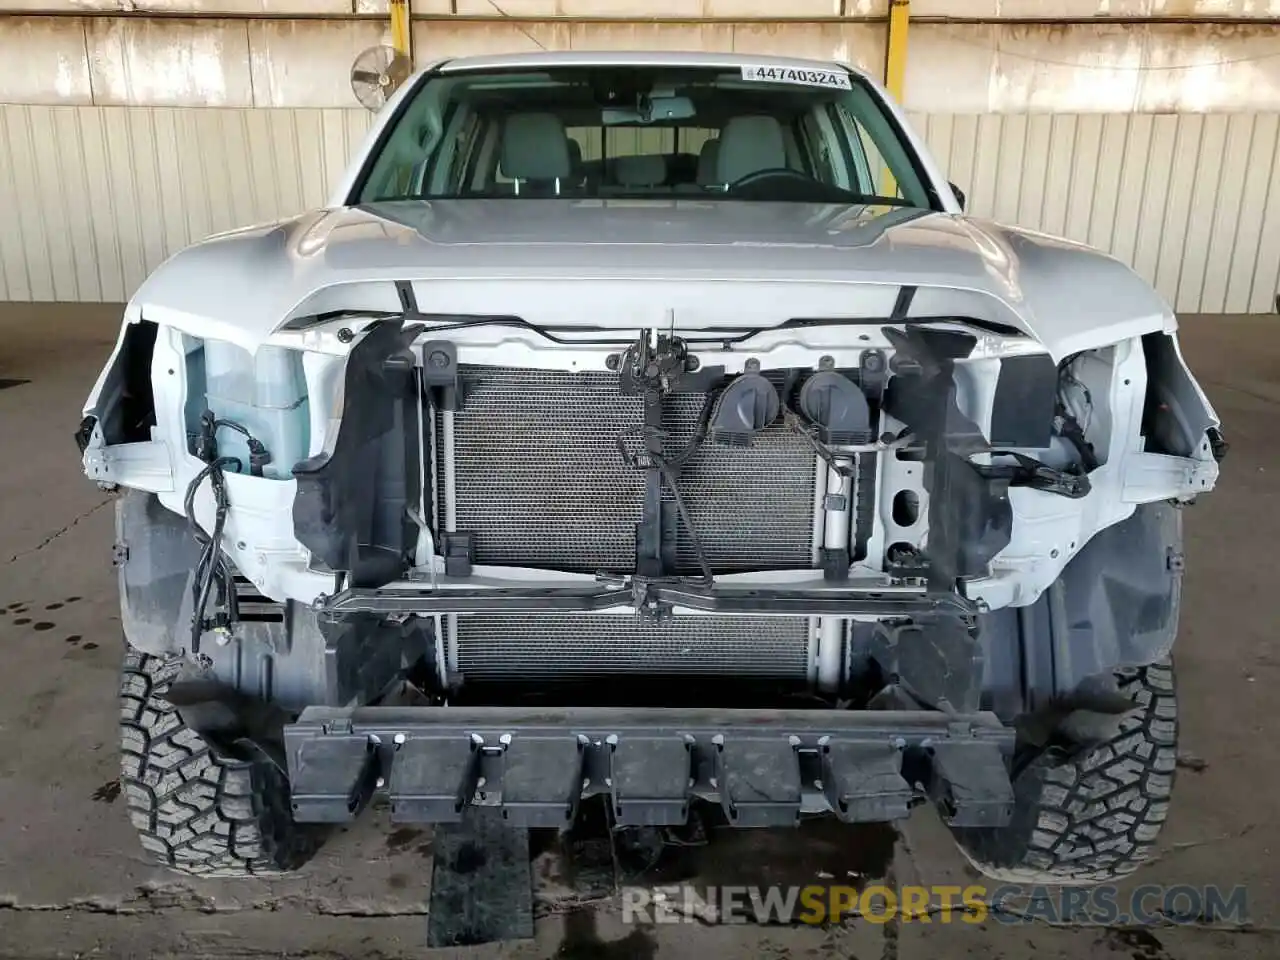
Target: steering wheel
(772, 173)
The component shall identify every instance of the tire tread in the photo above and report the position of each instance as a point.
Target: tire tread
(1094, 816)
(196, 809)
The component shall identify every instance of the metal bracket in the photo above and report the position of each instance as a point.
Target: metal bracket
(648, 607)
(650, 779)
(834, 562)
(540, 780)
(459, 554)
(873, 372)
(970, 784)
(759, 781)
(333, 779)
(863, 781)
(1158, 476)
(440, 374)
(1029, 472)
(434, 778)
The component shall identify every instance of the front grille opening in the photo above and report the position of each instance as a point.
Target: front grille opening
(539, 481)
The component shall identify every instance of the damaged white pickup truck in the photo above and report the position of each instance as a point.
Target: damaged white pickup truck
(652, 431)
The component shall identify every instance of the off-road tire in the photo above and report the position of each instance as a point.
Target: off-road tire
(199, 808)
(1092, 815)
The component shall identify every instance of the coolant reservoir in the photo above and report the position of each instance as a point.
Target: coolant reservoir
(265, 392)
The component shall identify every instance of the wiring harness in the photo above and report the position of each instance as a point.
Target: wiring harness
(669, 467)
(213, 576)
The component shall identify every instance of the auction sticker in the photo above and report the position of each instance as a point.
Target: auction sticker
(767, 73)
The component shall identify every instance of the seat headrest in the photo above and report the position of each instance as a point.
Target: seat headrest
(648, 170)
(708, 159)
(535, 147)
(748, 145)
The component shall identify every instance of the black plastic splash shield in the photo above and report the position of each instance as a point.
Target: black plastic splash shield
(970, 519)
(349, 510)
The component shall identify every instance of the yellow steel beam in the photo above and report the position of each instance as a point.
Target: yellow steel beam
(895, 60)
(895, 70)
(401, 38)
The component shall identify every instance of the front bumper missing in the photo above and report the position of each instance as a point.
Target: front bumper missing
(829, 602)
(763, 767)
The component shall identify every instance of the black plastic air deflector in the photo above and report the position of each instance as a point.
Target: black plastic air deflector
(863, 781)
(542, 781)
(651, 779)
(970, 784)
(350, 507)
(759, 781)
(970, 518)
(1026, 393)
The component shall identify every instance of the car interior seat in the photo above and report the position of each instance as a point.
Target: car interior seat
(748, 145)
(535, 154)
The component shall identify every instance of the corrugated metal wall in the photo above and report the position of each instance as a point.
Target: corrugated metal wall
(1191, 201)
(98, 197)
(123, 139)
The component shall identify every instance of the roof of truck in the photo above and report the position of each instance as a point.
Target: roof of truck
(628, 58)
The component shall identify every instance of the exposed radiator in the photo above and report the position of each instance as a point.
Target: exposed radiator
(539, 481)
(573, 646)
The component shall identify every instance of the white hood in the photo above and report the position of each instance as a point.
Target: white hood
(696, 263)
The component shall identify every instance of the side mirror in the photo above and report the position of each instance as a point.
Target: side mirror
(960, 198)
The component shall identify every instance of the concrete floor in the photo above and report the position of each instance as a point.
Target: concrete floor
(73, 882)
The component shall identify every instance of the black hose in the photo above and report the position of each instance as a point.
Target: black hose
(211, 566)
(667, 470)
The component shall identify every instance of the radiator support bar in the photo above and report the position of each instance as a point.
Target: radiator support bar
(833, 602)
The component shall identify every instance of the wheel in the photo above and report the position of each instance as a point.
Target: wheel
(198, 807)
(1092, 815)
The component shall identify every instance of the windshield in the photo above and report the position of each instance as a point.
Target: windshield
(775, 133)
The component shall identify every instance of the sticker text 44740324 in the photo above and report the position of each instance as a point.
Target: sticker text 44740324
(836, 79)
